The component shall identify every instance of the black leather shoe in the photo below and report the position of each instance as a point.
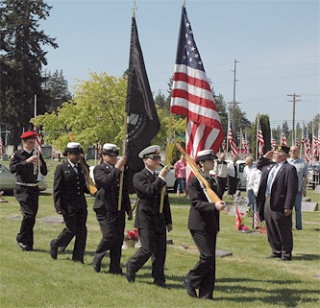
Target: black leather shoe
(129, 273)
(190, 289)
(53, 250)
(273, 257)
(161, 285)
(22, 246)
(29, 247)
(97, 267)
(284, 259)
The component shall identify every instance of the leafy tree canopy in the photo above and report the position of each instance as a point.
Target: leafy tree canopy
(95, 114)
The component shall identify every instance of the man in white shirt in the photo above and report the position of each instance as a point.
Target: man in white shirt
(302, 172)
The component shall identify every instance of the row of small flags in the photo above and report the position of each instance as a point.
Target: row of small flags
(310, 150)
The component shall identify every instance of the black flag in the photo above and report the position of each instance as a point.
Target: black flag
(143, 121)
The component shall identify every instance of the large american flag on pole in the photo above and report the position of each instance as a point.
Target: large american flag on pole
(260, 141)
(192, 96)
(233, 146)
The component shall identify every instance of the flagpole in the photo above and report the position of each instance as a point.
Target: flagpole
(123, 153)
(166, 161)
(257, 142)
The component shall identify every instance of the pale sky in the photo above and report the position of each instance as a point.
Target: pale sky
(275, 42)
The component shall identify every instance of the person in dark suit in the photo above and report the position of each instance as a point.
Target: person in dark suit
(110, 218)
(69, 190)
(276, 198)
(203, 224)
(151, 223)
(25, 164)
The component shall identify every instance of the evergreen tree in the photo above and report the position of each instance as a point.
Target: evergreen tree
(56, 87)
(21, 62)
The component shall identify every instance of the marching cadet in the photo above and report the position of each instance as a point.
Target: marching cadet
(111, 220)
(69, 190)
(24, 163)
(150, 222)
(203, 223)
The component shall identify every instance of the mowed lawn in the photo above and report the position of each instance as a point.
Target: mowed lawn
(245, 279)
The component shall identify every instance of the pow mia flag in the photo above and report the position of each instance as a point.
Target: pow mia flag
(143, 122)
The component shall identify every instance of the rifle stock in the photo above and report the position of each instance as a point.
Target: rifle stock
(211, 195)
(92, 188)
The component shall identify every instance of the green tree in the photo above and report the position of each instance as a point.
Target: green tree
(95, 114)
(222, 110)
(56, 87)
(21, 61)
(264, 122)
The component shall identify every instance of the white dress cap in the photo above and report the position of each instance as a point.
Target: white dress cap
(153, 150)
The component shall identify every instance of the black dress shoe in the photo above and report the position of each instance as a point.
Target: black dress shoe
(129, 273)
(22, 246)
(284, 259)
(273, 257)
(97, 267)
(53, 250)
(190, 289)
(161, 285)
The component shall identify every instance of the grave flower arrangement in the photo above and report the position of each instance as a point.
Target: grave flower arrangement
(131, 235)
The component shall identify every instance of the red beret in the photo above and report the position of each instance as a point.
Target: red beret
(29, 135)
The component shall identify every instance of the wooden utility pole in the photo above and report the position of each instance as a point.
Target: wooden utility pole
(294, 100)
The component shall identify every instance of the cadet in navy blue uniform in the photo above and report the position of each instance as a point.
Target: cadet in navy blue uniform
(203, 224)
(275, 200)
(24, 163)
(111, 220)
(152, 224)
(69, 200)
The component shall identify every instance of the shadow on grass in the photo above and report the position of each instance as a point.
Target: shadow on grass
(270, 291)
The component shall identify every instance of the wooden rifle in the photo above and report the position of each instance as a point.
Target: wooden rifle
(210, 194)
(92, 188)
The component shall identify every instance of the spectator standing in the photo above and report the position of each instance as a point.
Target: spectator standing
(248, 169)
(220, 171)
(233, 176)
(315, 171)
(302, 172)
(180, 173)
(276, 198)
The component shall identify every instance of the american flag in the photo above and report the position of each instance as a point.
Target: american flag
(260, 141)
(307, 145)
(39, 140)
(99, 150)
(284, 141)
(315, 145)
(298, 144)
(245, 146)
(273, 141)
(1, 147)
(192, 96)
(233, 146)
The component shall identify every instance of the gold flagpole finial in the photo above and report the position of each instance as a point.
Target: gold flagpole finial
(134, 9)
(184, 3)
